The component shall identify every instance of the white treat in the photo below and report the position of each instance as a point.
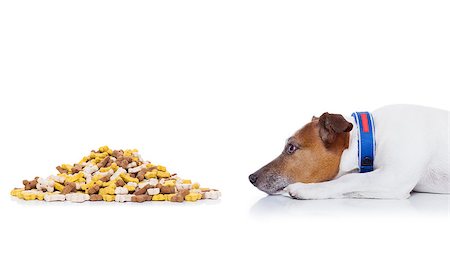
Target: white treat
(77, 197)
(104, 174)
(116, 174)
(132, 184)
(143, 184)
(79, 184)
(138, 156)
(90, 168)
(123, 198)
(45, 184)
(59, 179)
(153, 191)
(121, 190)
(131, 165)
(153, 182)
(212, 195)
(137, 169)
(54, 197)
(88, 177)
(46, 188)
(183, 186)
(32, 191)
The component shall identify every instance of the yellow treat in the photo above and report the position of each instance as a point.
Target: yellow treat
(114, 166)
(127, 178)
(169, 183)
(103, 149)
(83, 160)
(16, 192)
(149, 165)
(169, 196)
(150, 174)
(40, 196)
(162, 174)
(75, 177)
(195, 186)
(111, 183)
(88, 185)
(108, 198)
(97, 177)
(159, 197)
(29, 196)
(161, 168)
(193, 197)
(32, 195)
(187, 181)
(107, 190)
(20, 195)
(105, 169)
(130, 188)
(64, 175)
(66, 166)
(58, 186)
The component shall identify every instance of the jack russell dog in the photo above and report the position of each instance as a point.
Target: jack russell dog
(407, 149)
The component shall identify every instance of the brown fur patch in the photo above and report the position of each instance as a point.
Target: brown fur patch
(320, 145)
(314, 162)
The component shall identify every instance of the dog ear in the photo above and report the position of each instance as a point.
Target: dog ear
(330, 125)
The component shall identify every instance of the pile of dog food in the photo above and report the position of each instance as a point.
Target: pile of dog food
(113, 175)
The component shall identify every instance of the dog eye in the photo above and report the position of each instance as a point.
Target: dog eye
(290, 149)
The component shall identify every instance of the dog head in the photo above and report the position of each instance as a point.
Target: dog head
(311, 155)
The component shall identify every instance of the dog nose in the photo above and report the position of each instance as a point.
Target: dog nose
(253, 178)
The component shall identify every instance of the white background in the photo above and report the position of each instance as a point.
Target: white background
(210, 89)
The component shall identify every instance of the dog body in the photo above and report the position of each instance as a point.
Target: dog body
(321, 160)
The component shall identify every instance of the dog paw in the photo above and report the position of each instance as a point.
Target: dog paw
(306, 191)
(296, 190)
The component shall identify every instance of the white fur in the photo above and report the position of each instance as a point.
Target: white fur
(412, 153)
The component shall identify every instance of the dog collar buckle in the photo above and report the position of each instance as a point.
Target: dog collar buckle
(366, 140)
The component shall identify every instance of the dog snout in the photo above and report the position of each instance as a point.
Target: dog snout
(253, 177)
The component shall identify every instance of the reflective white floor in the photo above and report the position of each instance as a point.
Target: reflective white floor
(417, 204)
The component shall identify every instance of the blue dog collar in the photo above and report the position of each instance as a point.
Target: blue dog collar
(366, 140)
